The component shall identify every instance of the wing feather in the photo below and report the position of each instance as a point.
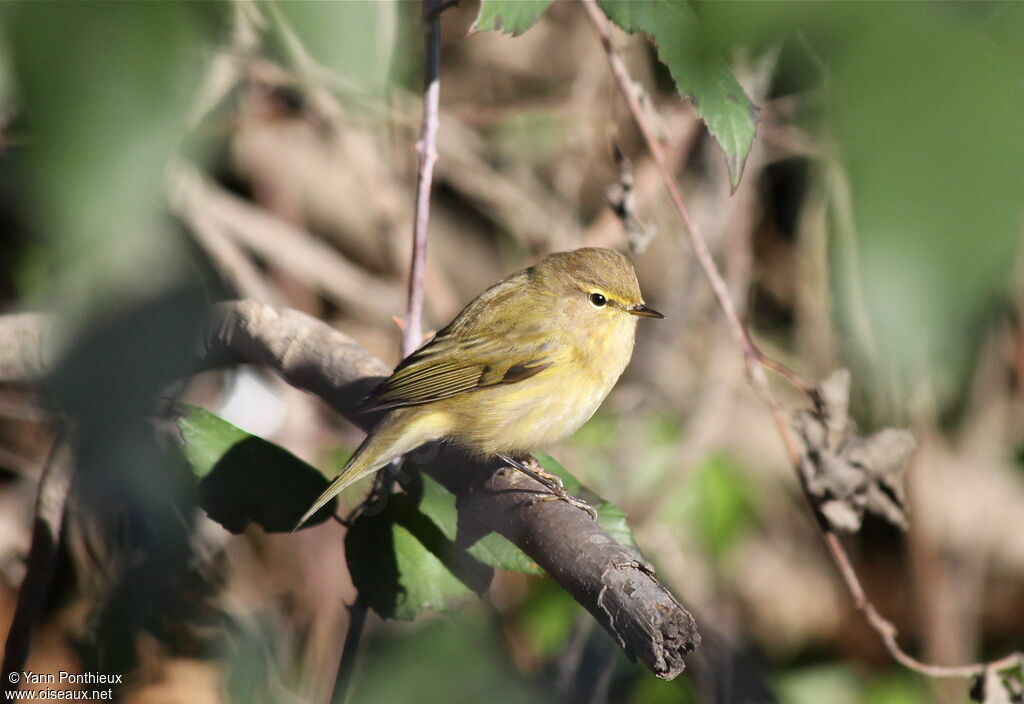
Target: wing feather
(479, 349)
(431, 375)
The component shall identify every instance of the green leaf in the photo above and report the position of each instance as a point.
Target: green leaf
(402, 561)
(354, 40)
(245, 479)
(701, 75)
(511, 16)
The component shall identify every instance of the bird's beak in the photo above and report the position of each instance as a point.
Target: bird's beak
(643, 311)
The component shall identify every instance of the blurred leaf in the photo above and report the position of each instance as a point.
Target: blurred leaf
(103, 116)
(546, 618)
(651, 690)
(813, 685)
(453, 660)
(245, 479)
(354, 39)
(899, 688)
(723, 507)
(928, 116)
(699, 74)
(609, 516)
(510, 16)
(598, 433)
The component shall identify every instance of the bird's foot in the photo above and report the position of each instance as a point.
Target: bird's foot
(563, 495)
(553, 483)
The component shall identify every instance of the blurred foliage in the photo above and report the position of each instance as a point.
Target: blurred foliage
(105, 118)
(301, 31)
(923, 109)
(841, 686)
(699, 74)
(456, 659)
(722, 509)
(910, 116)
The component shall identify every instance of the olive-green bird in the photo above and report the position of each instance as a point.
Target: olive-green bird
(522, 366)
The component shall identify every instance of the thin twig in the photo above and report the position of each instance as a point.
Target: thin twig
(756, 362)
(42, 559)
(412, 330)
(412, 333)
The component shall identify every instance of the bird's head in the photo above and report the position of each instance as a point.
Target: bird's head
(593, 281)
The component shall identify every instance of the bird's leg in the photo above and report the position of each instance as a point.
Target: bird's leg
(551, 482)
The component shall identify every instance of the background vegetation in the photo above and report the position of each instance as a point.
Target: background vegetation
(157, 157)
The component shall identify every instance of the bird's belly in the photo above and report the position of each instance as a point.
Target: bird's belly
(532, 416)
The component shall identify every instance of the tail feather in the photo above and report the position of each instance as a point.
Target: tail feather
(398, 433)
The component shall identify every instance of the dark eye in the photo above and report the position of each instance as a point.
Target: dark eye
(597, 299)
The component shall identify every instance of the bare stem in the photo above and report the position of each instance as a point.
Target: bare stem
(412, 335)
(756, 363)
(412, 332)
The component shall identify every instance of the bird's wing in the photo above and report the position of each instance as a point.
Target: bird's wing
(447, 366)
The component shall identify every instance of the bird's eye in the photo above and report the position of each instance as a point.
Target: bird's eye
(597, 299)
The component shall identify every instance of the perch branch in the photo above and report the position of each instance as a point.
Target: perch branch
(42, 560)
(756, 363)
(646, 621)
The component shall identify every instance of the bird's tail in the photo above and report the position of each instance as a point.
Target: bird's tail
(399, 432)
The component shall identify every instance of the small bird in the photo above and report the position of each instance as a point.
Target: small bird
(524, 365)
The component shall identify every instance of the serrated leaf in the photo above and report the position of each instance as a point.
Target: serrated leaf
(704, 77)
(245, 479)
(510, 16)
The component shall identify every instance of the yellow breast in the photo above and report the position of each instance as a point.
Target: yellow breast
(549, 406)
